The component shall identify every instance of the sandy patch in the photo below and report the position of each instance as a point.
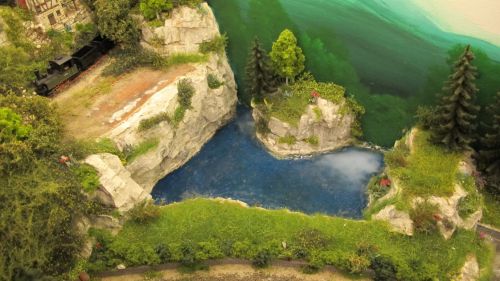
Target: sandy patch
(238, 272)
(476, 18)
(93, 105)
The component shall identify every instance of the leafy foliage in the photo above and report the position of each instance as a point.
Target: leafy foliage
(40, 197)
(215, 45)
(152, 9)
(185, 91)
(214, 82)
(286, 56)
(11, 127)
(114, 21)
(456, 114)
(87, 176)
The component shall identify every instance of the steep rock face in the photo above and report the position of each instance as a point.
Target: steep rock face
(210, 109)
(183, 31)
(321, 128)
(117, 189)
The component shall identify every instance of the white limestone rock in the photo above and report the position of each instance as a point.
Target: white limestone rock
(117, 186)
(400, 221)
(470, 270)
(332, 129)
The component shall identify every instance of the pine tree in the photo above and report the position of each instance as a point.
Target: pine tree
(456, 114)
(489, 154)
(259, 74)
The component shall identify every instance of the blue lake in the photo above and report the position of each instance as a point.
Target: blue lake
(234, 165)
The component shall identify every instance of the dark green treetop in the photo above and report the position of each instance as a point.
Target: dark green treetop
(259, 74)
(489, 154)
(456, 114)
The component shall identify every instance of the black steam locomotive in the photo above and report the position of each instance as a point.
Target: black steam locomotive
(65, 68)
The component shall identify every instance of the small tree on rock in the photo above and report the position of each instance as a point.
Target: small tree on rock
(286, 56)
(489, 155)
(456, 114)
(259, 76)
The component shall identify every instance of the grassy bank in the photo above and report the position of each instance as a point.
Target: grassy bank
(491, 214)
(204, 229)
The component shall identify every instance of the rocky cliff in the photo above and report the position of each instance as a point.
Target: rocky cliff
(175, 144)
(447, 216)
(323, 127)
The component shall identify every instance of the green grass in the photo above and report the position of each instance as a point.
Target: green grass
(473, 201)
(141, 149)
(290, 140)
(241, 232)
(313, 140)
(151, 122)
(290, 109)
(491, 212)
(429, 170)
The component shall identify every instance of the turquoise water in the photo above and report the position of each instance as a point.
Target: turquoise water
(387, 54)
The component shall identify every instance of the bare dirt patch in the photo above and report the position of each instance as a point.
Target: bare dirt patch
(88, 104)
(235, 272)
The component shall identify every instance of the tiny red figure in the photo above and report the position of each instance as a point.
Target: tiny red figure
(314, 97)
(385, 182)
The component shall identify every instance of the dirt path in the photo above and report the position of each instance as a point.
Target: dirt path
(229, 270)
(89, 105)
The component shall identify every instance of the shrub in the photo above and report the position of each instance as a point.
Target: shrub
(288, 139)
(215, 45)
(397, 157)
(355, 263)
(163, 253)
(185, 91)
(376, 189)
(179, 113)
(384, 269)
(144, 212)
(213, 81)
(151, 122)
(424, 217)
(312, 239)
(313, 140)
(188, 252)
(87, 176)
(262, 127)
(262, 258)
(469, 204)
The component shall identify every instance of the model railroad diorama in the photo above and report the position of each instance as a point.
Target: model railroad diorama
(65, 68)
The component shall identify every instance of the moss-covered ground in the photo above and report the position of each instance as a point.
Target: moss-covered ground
(216, 229)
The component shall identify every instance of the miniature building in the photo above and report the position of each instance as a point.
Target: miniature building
(54, 14)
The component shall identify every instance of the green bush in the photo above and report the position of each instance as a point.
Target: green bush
(424, 217)
(213, 81)
(163, 253)
(288, 139)
(263, 258)
(151, 122)
(384, 269)
(179, 113)
(185, 91)
(313, 140)
(397, 157)
(144, 212)
(88, 177)
(215, 45)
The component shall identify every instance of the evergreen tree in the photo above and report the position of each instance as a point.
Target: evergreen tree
(259, 74)
(489, 155)
(287, 57)
(456, 114)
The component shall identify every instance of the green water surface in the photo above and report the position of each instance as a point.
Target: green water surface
(388, 55)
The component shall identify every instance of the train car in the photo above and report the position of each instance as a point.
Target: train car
(66, 68)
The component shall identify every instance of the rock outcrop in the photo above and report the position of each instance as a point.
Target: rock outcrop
(448, 215)
(322, 128)
(210, 108)
(470, 270)
(117, 189)
(183, 31)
